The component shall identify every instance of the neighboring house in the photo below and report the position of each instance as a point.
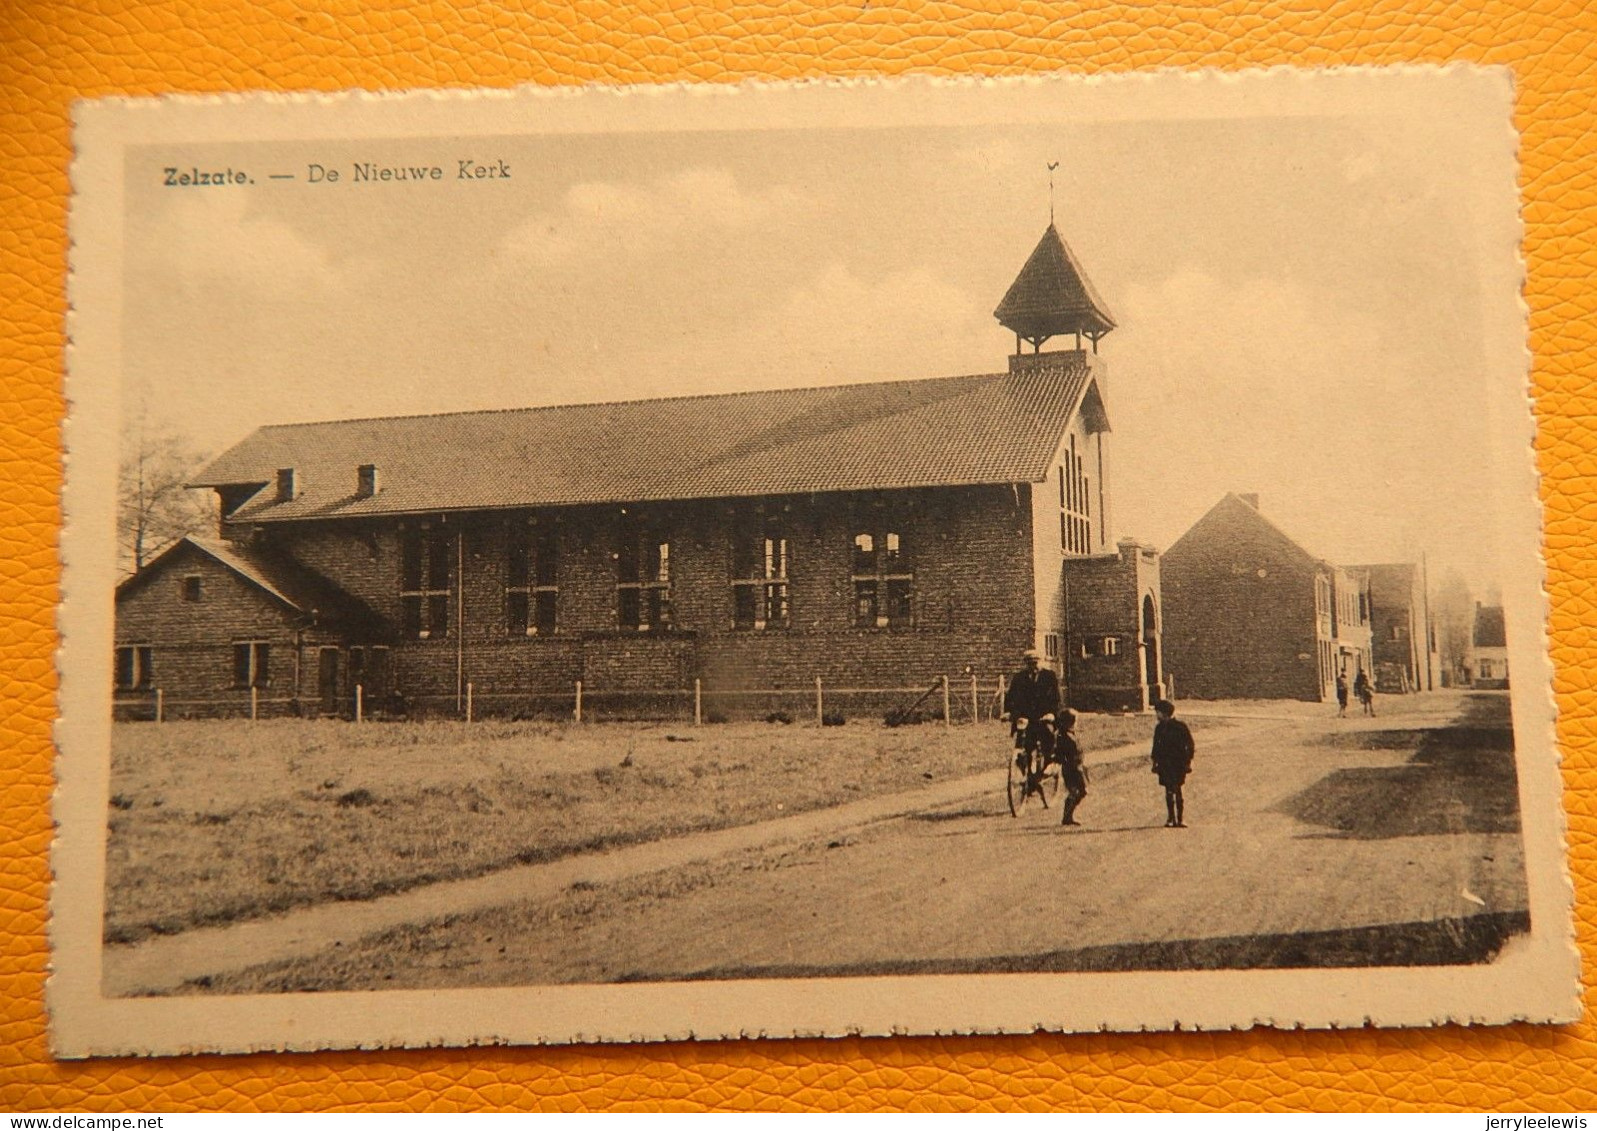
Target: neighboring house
(1251, 614)
(222, 628)
(1488, 658)
(1400, 636)
(872, 536)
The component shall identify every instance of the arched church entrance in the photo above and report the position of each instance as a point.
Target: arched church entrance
(1150, 650)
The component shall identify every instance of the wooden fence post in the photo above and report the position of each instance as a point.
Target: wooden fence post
(255, 702)
(160, 705)
(975, 701)
(698, 703)
(820, 704)
(468, 700)
(948, 717)
(360, 703)
(579, 700)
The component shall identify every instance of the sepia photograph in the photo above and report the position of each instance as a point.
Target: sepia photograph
(926, 557)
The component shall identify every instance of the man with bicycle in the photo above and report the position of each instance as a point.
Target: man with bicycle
(1031, 704)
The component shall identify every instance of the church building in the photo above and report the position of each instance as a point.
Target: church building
(869, 536)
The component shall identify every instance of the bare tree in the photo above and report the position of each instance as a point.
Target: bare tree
(155, 507)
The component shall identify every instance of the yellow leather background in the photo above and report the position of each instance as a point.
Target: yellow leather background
(51, 54)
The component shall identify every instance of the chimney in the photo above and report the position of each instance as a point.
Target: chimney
(1252, 499)
(366, 481)
(285, 484)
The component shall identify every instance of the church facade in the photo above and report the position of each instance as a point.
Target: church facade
(868, 536)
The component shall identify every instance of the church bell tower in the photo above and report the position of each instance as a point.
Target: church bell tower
(1099, 609)
(1052, 297)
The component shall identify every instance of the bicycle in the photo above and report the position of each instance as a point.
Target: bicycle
(1032, 773)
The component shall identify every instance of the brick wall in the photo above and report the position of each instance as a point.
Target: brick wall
(1107, 598)
(970, 550)
(1239, 616)
(192, 642)
(359, 557)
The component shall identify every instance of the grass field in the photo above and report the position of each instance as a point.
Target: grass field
(217, 821)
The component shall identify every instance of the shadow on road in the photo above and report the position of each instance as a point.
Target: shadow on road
(1460, 779)
(937, 816)
(1444, 942)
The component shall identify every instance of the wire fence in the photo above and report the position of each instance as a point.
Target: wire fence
(958, 700)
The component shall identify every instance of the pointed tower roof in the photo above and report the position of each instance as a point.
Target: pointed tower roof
(1052, 295)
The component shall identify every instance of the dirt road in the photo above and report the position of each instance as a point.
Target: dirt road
(1312, 841)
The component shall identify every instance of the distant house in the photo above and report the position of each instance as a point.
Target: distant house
(1488, 656)
(872, 536)
(1251, 614)
(1400, 635)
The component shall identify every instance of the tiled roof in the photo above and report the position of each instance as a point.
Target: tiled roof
(1489, 630)
(1217, 523)
(992, 428)
(299, 588)
(1052, 295)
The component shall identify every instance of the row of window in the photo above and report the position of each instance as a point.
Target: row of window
(1349, 611)
(882, 577)
(1088, 648)
(135, 665)
(1075, 504)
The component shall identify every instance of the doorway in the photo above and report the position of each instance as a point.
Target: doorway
(327, 680)
(1150, 649)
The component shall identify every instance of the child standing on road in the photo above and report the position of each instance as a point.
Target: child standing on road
(1172, 760)
(1068, 754)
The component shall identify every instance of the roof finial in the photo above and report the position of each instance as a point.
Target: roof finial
(1052, 165)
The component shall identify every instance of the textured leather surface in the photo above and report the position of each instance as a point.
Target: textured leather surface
(51, 54)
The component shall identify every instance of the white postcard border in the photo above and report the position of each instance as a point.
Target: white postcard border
(1535, 979)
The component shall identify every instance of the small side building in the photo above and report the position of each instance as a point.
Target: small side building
(1488, 658)
(1251, 614)
(223, 629)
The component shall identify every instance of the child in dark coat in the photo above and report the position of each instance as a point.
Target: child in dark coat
(1172, 760)
(1071, 766)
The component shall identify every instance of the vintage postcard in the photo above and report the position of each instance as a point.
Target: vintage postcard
(922, 557)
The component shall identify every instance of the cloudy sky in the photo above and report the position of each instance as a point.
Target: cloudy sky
(1298, 299)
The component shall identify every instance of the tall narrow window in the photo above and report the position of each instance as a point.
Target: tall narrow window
(759, 576)
(191, 587)
(426, 559)
(1075, 504)
(133, 668)
(531, 586)
(643, 576)
(250, 663)
(884, 580)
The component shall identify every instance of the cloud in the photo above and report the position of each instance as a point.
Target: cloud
(836, 325)
(1281, 387)
(645, 220)
(208, 239)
